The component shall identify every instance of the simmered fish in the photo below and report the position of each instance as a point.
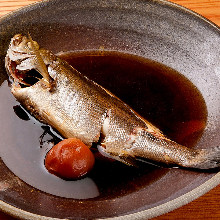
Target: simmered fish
(58, 95)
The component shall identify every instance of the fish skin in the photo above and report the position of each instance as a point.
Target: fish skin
(78, 107)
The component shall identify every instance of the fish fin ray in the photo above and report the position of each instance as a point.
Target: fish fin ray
(128, 160)
(124, 158)
(213, 158)
(208, 159)
(41, 65)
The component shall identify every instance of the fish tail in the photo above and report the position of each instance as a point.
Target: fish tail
(208, 158)
(163, 150)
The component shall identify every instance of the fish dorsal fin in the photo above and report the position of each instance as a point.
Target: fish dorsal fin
(41, 65)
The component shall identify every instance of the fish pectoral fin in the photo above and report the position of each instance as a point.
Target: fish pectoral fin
(41, 65)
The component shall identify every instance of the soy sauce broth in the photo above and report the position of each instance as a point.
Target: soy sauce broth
(160, 94)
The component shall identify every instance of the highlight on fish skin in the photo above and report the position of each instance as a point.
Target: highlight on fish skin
(80, 108)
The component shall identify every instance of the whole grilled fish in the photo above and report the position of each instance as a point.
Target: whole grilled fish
(57, 94)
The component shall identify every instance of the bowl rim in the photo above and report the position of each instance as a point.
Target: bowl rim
(165, 2)
(146, 214)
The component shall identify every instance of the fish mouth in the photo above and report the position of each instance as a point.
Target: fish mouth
(24, 78)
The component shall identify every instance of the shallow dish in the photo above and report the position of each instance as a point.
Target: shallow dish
(156, 30)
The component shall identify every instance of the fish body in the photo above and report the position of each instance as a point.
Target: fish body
(78, 107)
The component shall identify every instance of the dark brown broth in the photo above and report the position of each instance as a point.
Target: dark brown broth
(158, 93)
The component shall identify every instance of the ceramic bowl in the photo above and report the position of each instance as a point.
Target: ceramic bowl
(155, 29)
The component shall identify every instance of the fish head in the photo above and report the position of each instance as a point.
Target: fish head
(26, 63)
(23, 62)
(19, 59)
